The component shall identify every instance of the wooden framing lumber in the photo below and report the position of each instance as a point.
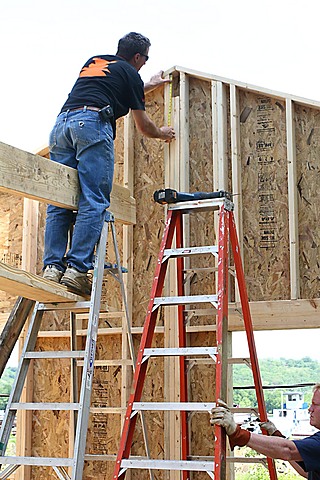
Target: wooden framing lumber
(13, 328)
(251, 88)
(292, 201)
(171, 365)
(266, 316)
(279, 315)
(32, 176)
(28, 285)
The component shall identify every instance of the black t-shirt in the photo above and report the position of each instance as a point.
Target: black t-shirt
(309, 449)
(107, 80)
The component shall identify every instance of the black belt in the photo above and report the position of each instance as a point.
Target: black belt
(94, 109)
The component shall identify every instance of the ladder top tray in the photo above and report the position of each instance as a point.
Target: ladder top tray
(20, 283)
(209, 204)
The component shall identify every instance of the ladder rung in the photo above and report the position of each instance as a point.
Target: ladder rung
(204, 458)
(198, 270)
(239, 360)
(168, 465)
(44, 406)
(41, 461)
(183, 300)
(245, 410)
(174, 406)
(72, 306)
(162, 352)
(189, 251)
(262, 460)
(56, 354)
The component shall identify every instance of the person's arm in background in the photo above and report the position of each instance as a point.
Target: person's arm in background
(273, 447)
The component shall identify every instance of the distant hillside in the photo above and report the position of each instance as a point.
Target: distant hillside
(6, 383)
(275, 372)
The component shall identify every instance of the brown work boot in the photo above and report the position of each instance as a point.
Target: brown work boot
(78, 282)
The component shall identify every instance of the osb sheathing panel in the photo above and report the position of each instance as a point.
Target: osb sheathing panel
(50, 429)
(201, 179)
(264, 197)
(307, 130)
(104, 429)
(147, 233)
(11, 211)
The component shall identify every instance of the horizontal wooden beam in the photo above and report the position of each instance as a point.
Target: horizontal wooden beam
(20, 283)
(275, 315)
(279, 315)
(32, 176)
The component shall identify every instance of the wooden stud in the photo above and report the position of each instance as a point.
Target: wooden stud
(236, 167)
(126, 373)
(293, 202)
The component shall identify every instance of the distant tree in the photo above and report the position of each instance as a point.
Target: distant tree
(6, 383)
(281, 371)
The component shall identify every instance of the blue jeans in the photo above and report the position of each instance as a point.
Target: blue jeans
(83, 141)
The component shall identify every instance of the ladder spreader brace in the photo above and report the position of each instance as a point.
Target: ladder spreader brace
(81, 407)
(227, 233)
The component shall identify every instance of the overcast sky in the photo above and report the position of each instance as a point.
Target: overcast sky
(272, 44)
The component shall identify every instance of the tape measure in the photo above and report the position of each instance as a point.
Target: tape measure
(170, 101)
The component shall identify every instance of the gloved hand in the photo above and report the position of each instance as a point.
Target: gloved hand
(222, 416)
(271, 428)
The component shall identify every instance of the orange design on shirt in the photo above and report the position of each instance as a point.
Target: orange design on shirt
(98, 68)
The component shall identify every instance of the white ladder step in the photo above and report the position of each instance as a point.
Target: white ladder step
(44, 406)
(168, 465)
(80, 307)
(41, 461)
(56, 354)
(174, 406)
(183, 300)
(163, 352)
(189, 251)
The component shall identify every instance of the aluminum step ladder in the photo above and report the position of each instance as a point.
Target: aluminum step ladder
(81, 404)
(227, 233)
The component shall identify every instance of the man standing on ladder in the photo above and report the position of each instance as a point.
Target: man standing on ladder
(304, 455)
(82, 138)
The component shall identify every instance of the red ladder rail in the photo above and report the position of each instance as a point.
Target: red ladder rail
(249, 332)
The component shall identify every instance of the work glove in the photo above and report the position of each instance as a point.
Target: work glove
(222, 416)
(271, 429)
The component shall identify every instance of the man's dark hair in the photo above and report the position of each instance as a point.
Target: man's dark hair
(131, 44)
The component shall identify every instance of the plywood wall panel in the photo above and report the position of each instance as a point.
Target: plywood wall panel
(201, 179)
(307, 123)
(264, 197)
(147, 233)
(50, 429)
(11, 211)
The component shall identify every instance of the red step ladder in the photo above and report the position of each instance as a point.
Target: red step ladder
(227, 234)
